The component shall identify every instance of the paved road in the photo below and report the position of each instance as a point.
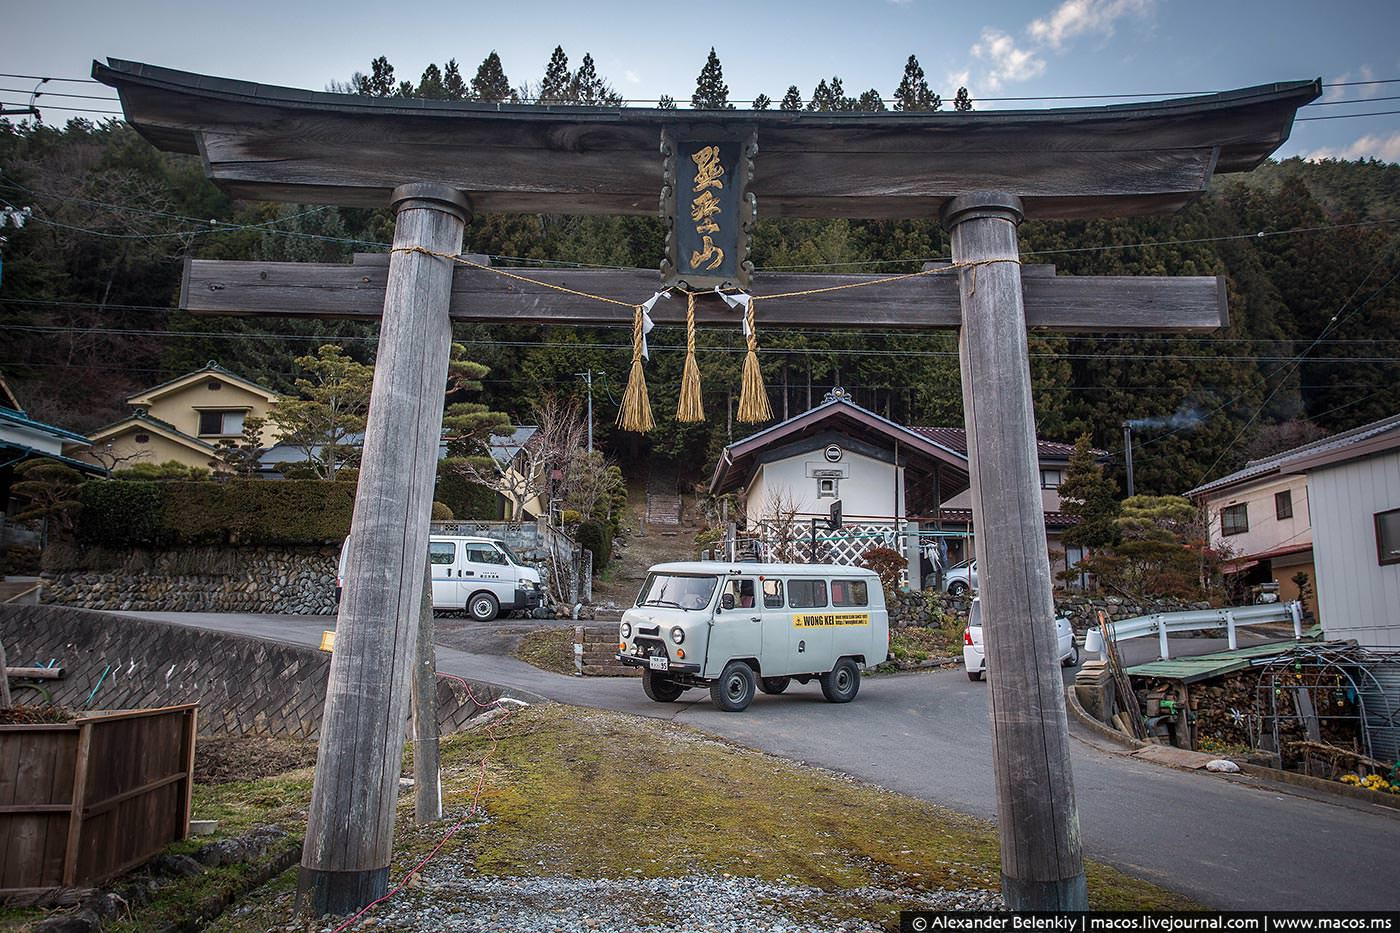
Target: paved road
(1229, 843)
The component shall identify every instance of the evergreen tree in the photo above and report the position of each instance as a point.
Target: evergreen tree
(452, 83)
(711, 93)
(913, 94)
(822, 98)
(430, 86)
(667, 102)
(554, 89)
(589, 89)
(490, 83)
(870, 100)
(406, 89)
(1090, 496)
(762, 102)
(963, 102)
(792, 100)
(379, 82)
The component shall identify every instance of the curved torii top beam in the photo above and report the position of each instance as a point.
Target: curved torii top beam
(275, 143)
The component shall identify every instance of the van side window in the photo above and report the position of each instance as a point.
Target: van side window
(806, 594)
(441, 552)
(849, 593)
(772, 594)
(742, 591)
(484, 554)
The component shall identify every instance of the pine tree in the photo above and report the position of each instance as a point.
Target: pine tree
(554, 89)
(588, 89)
(1090, 496)
(490, 83)
(430, 86)
(822, 97)
(762, 102)
(870, 100)
(792, 100)
(963, 102)
(913, 94)
(452, 83)
(711, 93)
(667, 102)
(380, 81)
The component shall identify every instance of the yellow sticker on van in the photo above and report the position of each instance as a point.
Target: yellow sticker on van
(829, 619)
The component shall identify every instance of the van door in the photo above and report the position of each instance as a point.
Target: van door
(777, 630)
(737, 632)
(444, 559)
(486, 568)
(850, 606)
(811, 649)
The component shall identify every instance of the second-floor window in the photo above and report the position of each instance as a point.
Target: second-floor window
(1050, 479)
(1283, 504)
(220, 423)
(1234, 519)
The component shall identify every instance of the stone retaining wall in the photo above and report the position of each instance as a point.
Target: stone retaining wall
(927, 608)
(243, 685)
(596, 646)
(294, 580)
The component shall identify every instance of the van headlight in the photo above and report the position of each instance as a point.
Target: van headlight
(625, 630)
(677, 634)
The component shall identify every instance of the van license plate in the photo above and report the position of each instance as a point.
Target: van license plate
(659, 664)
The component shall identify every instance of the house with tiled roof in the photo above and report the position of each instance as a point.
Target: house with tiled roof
(182, 420)
(899, 486)
(1329, 509)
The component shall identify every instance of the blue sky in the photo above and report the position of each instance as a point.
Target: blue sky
(1010, 49)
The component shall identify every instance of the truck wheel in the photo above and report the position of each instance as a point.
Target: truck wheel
(774, 685)
(660, 688)
(483, 607)
(734, 690)
(843, 682)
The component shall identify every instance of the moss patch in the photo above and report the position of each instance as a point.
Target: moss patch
(919, 643)
(549, 650)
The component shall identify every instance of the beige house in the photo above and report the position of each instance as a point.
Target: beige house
(182, 420)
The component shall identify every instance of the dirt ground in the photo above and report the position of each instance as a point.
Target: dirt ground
(224, 759)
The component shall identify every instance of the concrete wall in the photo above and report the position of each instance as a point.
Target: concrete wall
(244, 686)
(1357, 596)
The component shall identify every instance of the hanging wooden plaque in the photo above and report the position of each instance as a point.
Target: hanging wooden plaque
(708, 208)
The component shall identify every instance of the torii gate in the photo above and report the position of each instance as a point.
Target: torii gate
(434, 161)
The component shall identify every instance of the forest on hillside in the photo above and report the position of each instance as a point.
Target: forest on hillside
(1309, 249)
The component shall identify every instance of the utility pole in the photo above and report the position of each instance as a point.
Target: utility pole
(587, 378)
(1128, 454)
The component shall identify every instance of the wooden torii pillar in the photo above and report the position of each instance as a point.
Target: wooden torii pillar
(981, 172)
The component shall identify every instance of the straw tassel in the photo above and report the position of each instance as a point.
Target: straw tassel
(635, 414)
(753, 396)
(690, 407)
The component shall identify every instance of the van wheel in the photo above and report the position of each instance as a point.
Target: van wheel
(1072, 658)
(734, 690)
(974, 675)
(483, 607)
(660, 688)
(843, 683)
(774, 685)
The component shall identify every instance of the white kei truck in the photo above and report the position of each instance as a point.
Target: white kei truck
(481, 576)
(738, 628)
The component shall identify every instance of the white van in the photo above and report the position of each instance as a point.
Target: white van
(480, 575)
(737, 628)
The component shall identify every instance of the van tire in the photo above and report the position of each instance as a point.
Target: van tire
(483, 607)
(660, 688)
(842, 683)
(734, 690)
(774, 685)
(974, 675)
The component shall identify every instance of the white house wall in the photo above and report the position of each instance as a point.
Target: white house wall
(869, 489)
(1266, 530)
(1357, 596)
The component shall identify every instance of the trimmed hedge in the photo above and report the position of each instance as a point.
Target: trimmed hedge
(119, 513)
(467, 500)
(598, 538)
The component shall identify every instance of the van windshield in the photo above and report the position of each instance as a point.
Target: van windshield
(677, 591)
(514, 557)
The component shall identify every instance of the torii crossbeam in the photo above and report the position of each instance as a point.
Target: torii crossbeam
(434, 161)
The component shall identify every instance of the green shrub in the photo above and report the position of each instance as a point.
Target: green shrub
(441, 513)
(119, 513)
(571, 516)
(468, 501)
(596, 536)
(169, 470)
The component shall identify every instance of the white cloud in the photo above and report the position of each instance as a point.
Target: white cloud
(1077, 17)
(956, 79)
(1370, 146)
(631, 77)
(1355, 92)
(1005, 61)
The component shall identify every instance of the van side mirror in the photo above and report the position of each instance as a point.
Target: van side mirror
(726, 601)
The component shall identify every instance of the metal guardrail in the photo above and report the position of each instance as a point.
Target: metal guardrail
(1163, 624)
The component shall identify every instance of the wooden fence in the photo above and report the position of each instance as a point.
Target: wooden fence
(83, 801)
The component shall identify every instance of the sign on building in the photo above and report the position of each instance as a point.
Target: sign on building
(708, 208)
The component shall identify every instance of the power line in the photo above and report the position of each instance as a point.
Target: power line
(46, 78)
(39, 93)
(114, 113)
(1348, 116)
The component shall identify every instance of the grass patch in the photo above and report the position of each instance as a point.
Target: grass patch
(592, 794)
(549, 650)
(919, 643)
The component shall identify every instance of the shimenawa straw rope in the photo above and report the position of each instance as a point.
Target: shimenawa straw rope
(690, 407)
